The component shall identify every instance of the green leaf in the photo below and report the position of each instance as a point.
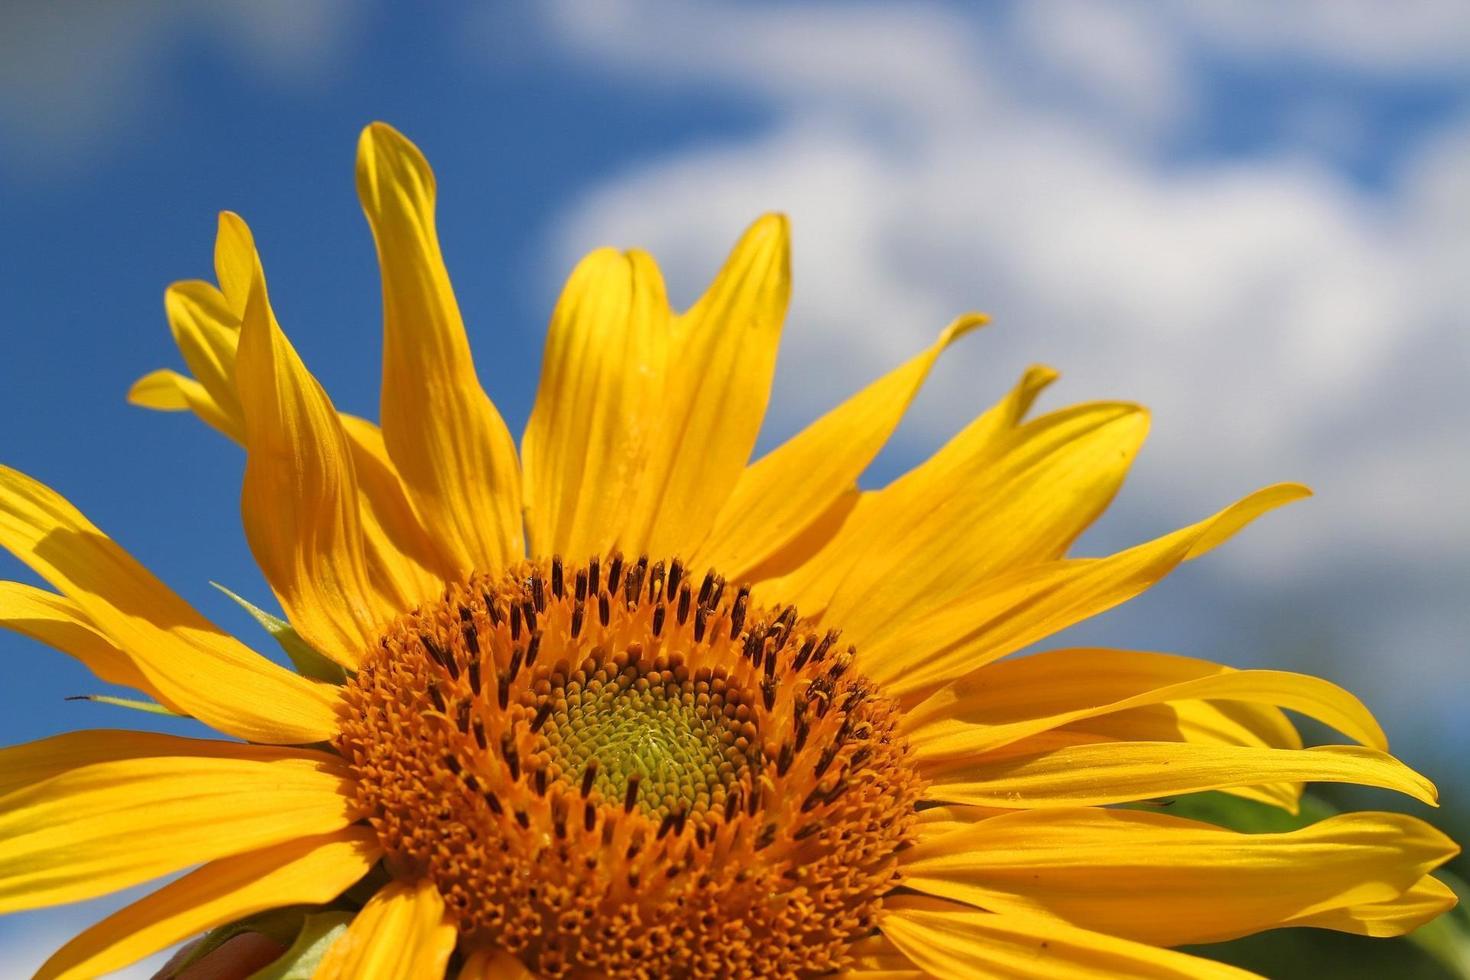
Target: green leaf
(137, 704)
(307, 661)
(317, 934)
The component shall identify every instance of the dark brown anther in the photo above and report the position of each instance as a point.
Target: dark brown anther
(853, 699)
(594, 584)
(836, 791)
(538, 591)
(753, 801)
(824, 761)
(462, 717)
(804, 654)
(634, 847)
(474, 672)
(478, 727)
(701, 620)
(665, 825)
(768, 692)
(471, 638)
(630, 795)
(558, 577)
(437, 696)
(825, 645)
(559, 818)
(679, 819)
(682, 613)
(523, 819)
(502, 691)
(803, 726)
(766, 837)
(589, 775)
(808, 830)
(604, 609)
(518, 655)
(538, 781)
(813, 799)
(859, 756)
(470, 782)
(706, 587)
(608, 826)
(639, 573)
(770, 666)
(451, 762)
(589, 816)
(655, 581)
(491, 610)
(542, 713)
(732, 804)
(614, 571)
(579, 613)
(532, 649)
(493, 802)
(701, 837)
(515, 622)
(719, 593)
(528, 611)
(737, 611)
(512, 757)
(440, 656)
(581, 585)
(783, 759)
(840, 664)
(659, 612)
(676, 575)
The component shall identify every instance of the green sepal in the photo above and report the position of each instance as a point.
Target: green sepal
(306, 660)
(137, 704)
(281, 925)
(317, 934)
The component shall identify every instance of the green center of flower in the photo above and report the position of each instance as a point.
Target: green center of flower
(662, 741)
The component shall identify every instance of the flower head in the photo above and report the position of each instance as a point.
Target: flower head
(627, 704)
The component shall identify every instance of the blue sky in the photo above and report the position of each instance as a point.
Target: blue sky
(1253, 220)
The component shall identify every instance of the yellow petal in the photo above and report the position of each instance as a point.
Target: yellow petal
(300, 499)
(169, 391)
(593, 434)
(207, 333)
(956, 943)
(494, 965)
(1159, 879)
(1020, 500)
(185, 658)
(236, 262)
(308, 871)
(57, 622)
(401, 932)
(108, 825)
(876, 958)
(22, 765)
(1054, 770)
(781, 494)
(1011, 700)
(812, 585)
(1028, 604)
(722, 355)
(446, 439)
(1396, 917)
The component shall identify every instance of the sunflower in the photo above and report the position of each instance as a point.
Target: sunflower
(626, 704)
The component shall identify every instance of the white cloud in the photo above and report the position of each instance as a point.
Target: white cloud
(74, 76)
(933, 163)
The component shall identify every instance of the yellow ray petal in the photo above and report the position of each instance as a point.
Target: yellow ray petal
(207, 333)
(722, 355)
(1014, 699)
(1159, 879)
(308, 871)
(108, 825)
(236, 262)
(593, 433)
(401, 932)
(781, 494)
(1028, 604)
(169, 391)
(1396, 917)
(1022, 499)
(300, 499)
(494, 965)
(955, 943)
(22, 765)
(868, 529)
(446, 439)
(1054, 770)
(187, 660)
(58, 622)
(876, 958)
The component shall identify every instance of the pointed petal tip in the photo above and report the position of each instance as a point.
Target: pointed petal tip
(963, 324)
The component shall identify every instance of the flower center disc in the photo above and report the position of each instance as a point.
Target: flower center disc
(612, 770)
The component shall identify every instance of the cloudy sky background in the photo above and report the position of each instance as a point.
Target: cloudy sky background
(1253, 220)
